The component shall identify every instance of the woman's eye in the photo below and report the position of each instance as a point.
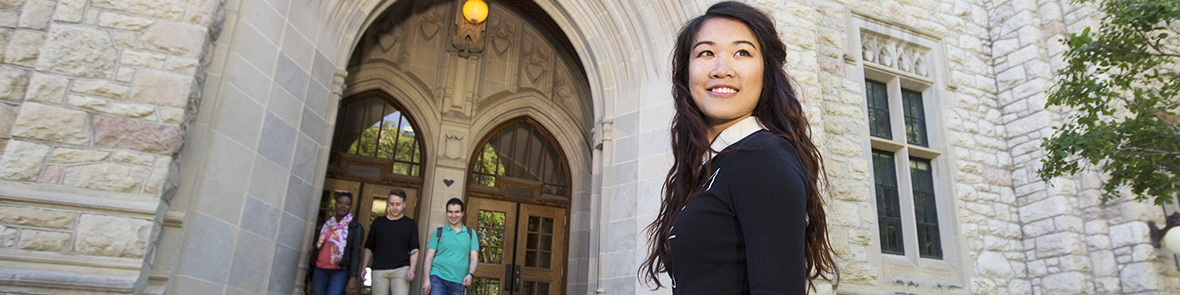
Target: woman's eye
(705, 53)
(743, 52)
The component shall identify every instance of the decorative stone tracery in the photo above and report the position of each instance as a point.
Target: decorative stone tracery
(895, 54)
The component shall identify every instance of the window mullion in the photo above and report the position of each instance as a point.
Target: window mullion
(896, 110)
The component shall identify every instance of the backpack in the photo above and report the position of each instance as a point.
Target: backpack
(438, 235)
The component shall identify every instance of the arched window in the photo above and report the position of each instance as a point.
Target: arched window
(521, 160)
(372, 126)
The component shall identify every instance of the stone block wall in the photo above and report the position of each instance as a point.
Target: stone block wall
(94, 100)
(988, 258)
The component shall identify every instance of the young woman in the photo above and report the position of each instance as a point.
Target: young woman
(742, 212)
(336, 258)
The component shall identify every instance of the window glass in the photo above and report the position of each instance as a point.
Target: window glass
(888, 206)
(373, 127)
(521, 150)
(925, 209)
(915, 118)
(878, 101)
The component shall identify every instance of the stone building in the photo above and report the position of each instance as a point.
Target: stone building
(188, 146)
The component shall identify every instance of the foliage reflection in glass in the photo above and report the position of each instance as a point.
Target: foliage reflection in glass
(491, 236)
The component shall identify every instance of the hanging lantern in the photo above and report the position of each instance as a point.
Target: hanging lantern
(1171, 241)
(475, 11)
(1169, 236)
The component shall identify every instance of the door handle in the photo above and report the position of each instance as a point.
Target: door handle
(508, 277)
(516, 280)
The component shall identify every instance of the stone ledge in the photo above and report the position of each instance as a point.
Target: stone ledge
(173, 218)
(52, 280)
(59, 259)
(133, 204)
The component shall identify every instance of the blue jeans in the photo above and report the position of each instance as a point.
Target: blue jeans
(328, 281)
(444, 287)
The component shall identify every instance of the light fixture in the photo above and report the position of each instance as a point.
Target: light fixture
(1169, 236)
(475, 11)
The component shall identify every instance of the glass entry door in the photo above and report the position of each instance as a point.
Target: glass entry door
(522, 247)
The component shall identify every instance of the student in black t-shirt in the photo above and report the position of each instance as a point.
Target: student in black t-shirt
(742, 211)
(392, 247)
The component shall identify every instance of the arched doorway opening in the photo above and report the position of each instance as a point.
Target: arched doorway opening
(461, 93)
(376, 148)
(518, 195)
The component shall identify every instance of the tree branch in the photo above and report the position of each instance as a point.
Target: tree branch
(1155, 46)
(1155, 151)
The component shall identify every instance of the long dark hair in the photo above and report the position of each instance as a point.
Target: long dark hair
(778, 109)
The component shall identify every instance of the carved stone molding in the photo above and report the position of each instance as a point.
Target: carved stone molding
(895, 54)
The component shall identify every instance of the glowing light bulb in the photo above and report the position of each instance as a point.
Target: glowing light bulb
(475, 11)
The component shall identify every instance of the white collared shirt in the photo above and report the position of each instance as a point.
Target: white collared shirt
(733, 134)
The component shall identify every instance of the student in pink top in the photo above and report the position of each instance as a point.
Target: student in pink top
(336, 258)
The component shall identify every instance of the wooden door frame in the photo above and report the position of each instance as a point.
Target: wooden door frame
(566, 231)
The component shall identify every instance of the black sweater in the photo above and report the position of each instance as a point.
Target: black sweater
(391, 241)
(744, 232)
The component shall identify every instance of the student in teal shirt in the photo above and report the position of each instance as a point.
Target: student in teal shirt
(457, 249)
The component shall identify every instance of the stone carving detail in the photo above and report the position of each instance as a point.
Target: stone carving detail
(468, 38)
(454, 148)
(384, 41)
(534, 64)
(895, 54)
(499, 64)
(564, 92)
(502, 37)
(431, 23)
(387, 39)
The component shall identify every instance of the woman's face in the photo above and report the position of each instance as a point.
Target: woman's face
(725, 71)
(343, 205)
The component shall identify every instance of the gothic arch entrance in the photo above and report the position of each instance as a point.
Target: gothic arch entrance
(463, 86)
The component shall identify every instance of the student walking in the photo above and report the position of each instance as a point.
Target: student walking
(451, 255)
(392, 248)
(335, 260)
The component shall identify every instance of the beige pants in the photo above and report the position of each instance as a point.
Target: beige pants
(391, 281)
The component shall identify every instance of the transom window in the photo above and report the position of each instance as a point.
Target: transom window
(521, 161)
(878, 101)
(371, 125)
(915, 118)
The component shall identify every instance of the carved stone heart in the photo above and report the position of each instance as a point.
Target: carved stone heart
(387, 41)
(448, 182)
(429, 29)
(534, 71)
(501, 45)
